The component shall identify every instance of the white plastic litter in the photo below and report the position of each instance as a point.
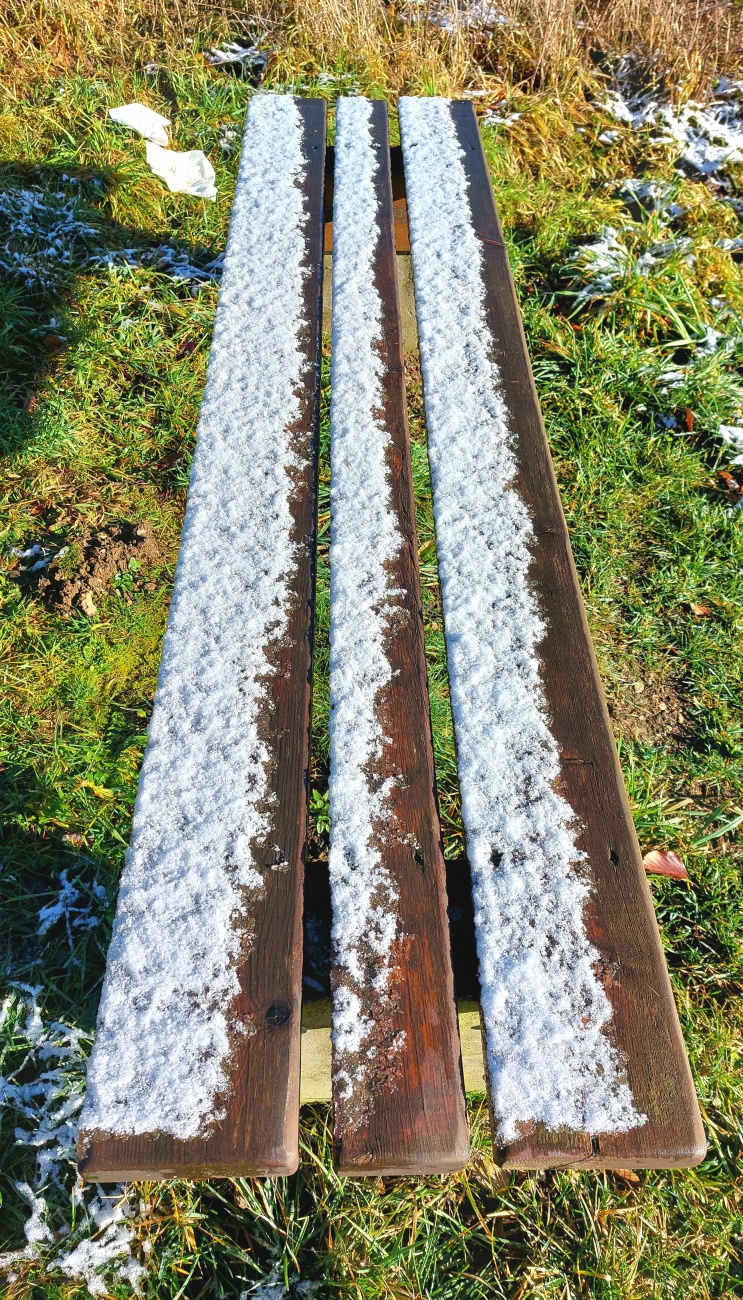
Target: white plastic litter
(546, 1012)
(183, 173)
(144, 120)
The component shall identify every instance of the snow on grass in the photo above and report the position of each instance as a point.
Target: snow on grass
(710, 135)
(91, 1239)
(165, 1028)
(41, 233)
(546, 1014)
(45, 233)
(364, 541)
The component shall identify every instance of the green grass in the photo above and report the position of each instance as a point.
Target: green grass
(107, 436)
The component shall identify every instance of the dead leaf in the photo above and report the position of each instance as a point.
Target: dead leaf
(487, 1173)
(186, 348)
(701, 611)
(170, 459)
(689, 417)
(87, 604)
(664, 862)
(31, 403)
(627, 1176)
(729, 485)
(54, 343)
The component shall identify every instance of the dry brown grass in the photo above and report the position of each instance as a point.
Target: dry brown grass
(543, 42)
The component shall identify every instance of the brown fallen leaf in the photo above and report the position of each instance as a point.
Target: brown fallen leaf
(170, 459)
(54, 343)
(689, 417)
(664, 862)
(701, 611)
(627, 1176)
(729, 485)
(31, 403)
(487, 1173)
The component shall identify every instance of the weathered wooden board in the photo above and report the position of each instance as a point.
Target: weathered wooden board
(399, 207)
(259, 1135)
(620, 919)
(411, 1116)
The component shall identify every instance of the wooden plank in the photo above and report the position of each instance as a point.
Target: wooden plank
(407, 1113)
(259, 1132)
(317, 1070)
(619, 919)
(399, 205)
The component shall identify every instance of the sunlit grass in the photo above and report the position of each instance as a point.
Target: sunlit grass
(108, 436)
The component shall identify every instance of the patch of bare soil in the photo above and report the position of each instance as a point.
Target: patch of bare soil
(82, 572)
(648, 710)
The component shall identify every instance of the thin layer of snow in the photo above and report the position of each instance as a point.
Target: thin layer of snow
(364, 541)
(456, 15)
(546, 1013)
(192, 870)
(732, 434)
(44, 233)
(67, 907)
(710, 135)
(97, 1242)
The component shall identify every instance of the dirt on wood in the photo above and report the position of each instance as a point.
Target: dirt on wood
(82, 572)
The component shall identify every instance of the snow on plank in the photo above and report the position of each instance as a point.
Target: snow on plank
(195, 1068)
(585, 1056)
(397, 1092)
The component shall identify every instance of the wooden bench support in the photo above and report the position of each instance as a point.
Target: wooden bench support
(586, 1061)
(195, 1069)
(397, 1091)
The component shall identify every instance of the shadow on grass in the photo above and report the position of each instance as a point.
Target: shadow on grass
(55, 228)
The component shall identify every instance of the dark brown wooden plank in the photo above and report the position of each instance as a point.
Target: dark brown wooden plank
(620, 919)
(259, 1135)
(412, 1114)
(399, 206)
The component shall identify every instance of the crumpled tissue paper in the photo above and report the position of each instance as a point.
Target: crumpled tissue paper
(183, 173)
(144, 120)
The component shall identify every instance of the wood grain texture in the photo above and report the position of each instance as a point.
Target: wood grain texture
(620, 918)
(259, 1135)
(410, 1116)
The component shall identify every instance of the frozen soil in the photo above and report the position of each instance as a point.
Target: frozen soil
(81, 575)
(649, 710)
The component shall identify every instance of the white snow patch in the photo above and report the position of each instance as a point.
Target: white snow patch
(710, 135)
(544, 1008)
(456, 15)
(732, 434)
(68, 907)
(102, 1237)
(164, 1024)
(364, 541)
